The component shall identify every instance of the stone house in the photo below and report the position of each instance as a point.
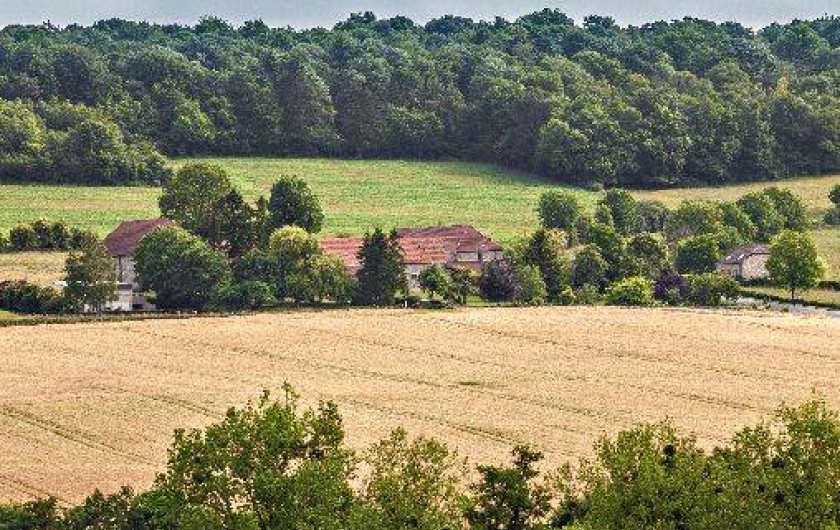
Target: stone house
(746, 263)
(121, 244)
(459, 246)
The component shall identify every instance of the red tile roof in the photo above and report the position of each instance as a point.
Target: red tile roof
(124, 240)
(421, 246)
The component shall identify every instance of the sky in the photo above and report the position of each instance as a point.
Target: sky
(325, 13)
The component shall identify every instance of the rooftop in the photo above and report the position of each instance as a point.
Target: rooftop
(124, 240)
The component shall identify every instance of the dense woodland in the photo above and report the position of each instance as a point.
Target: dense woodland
(592, 103)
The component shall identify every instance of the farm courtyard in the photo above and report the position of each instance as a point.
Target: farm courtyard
(94, 405)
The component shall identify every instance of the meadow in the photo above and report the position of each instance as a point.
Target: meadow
(94, 405)
(357, 195)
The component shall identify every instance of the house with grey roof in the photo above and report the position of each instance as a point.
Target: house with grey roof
(747, 262)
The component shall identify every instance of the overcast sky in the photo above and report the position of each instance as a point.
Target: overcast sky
(326, 13)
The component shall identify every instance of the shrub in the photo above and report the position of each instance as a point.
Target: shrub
(248, 294)
(763, 213)
(464, 282)
(182, 269)
(435, 280)
(82, 238)
(292, 202)
(698, 254)
(651, 216)
(711, 289)
(23, 238)
(532, 286)
(671, 288)
(633, 291)
(832, 217)
(589, 268)
(834, 195)
(60, 236)
(560, 210)
(588, 295)
(43, 234)
(499, 282)
(622, 208)
(27, 298)
(5, 245)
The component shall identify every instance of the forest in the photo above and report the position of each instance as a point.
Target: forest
(687, 102)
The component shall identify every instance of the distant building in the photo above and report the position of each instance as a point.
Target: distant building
(121, 244)
(746, 263)
(459, 246)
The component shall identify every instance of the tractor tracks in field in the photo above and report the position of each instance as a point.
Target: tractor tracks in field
(31, 490)
(71, 434)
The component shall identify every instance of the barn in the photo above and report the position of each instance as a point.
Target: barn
(121, 244)
(746, 263)
(458, 246)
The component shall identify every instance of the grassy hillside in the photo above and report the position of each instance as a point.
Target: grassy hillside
(357, 195)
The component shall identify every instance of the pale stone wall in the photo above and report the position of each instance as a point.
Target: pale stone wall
(755, 266)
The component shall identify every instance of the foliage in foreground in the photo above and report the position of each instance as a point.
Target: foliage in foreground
(274, 466)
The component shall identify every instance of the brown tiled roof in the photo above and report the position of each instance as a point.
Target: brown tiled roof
(346, 248)
(421, 246)
(123, 241)
(738, 255)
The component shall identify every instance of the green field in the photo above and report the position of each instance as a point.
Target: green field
(357, 195)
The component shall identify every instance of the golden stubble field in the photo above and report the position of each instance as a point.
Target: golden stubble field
(94, 405)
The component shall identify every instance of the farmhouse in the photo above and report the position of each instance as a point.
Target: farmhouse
(459, 246)
(121, 244)
(747, 262)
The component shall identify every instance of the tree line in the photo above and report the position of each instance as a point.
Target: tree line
(273, 465)
(226, 254)
(591, 103)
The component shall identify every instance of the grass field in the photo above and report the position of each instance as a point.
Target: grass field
(42, 268)
(823, 296)
(94, 405)
(357, 195)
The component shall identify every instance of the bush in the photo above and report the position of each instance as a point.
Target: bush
(82, 238)
(180, 268)
(671, 288)
(634, 291)
(23, 238)
(711, 289)
(27, 298)
(248, 294)
(832, 218)
(5, 245)
(560, 210)
(532, 286)
(588, 295)
(292, 202)
(500, 282)
(834, 195)
(698, 254)
(47, 235)
(651, 216)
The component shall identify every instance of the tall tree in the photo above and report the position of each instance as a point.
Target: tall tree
(91, 277)
(794, 262)
(292, 202)
(382, 271)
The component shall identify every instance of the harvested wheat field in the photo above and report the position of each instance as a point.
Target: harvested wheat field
(94, 405)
